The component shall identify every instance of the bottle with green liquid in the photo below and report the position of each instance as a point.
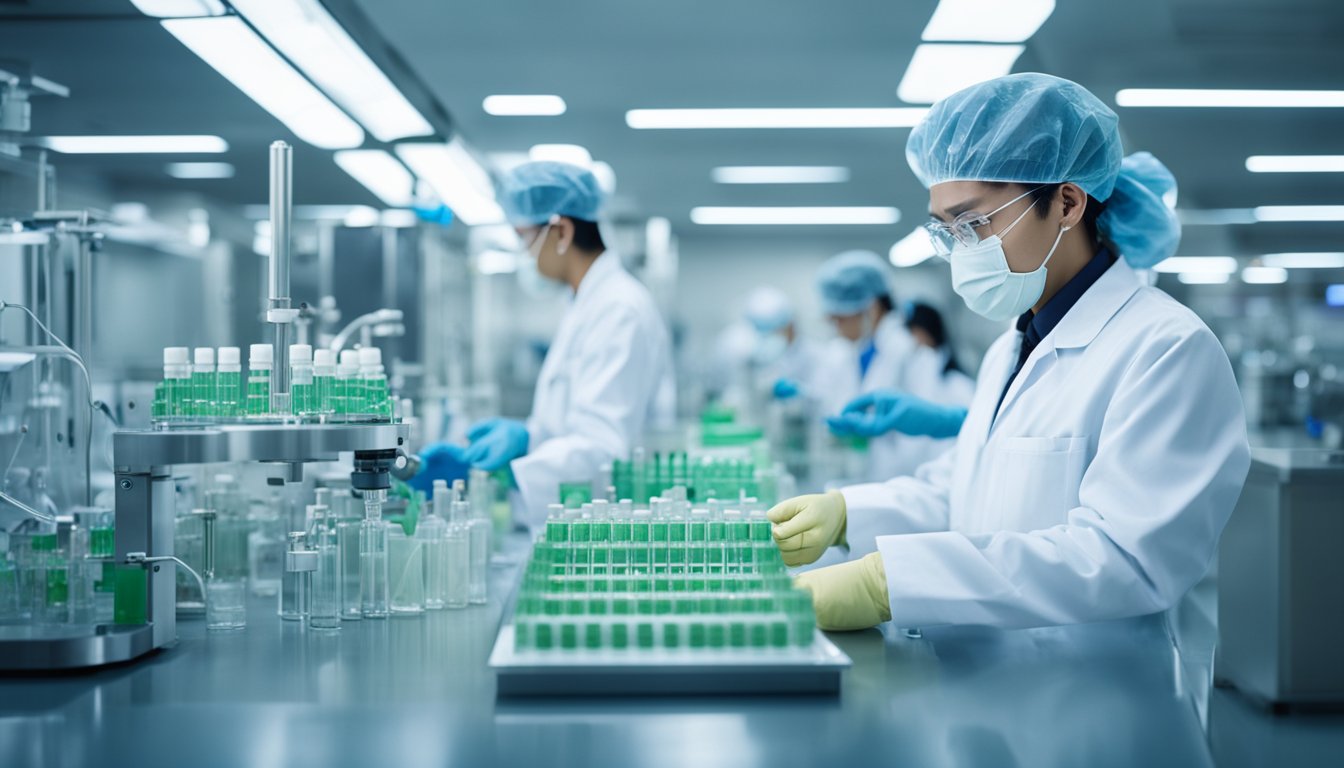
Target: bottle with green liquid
(301, 397)
(203, 387)
(374, 383)
(228, 384)
(176, 383)
(324, 379)
(260, 358)
(349, 389)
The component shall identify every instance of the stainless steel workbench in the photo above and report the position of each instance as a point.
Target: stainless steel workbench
(416, 692)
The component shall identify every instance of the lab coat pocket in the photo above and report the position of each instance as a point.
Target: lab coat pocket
(1034, 482)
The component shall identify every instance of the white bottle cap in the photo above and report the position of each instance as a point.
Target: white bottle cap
(229, 356)
(369, 356)
(300, 353)
(349, 357)
(323, 357)
(260, 353)
(175, 355)
(205, 356)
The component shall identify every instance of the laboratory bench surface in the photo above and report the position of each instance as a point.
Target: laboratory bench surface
(417, 692)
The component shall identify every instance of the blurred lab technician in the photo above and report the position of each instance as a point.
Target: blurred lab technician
(891, 410)
(608, 374)
(876, 354)
(763, 356)
(1106, 444)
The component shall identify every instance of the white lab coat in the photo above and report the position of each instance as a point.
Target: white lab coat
(902, 364)
(606, 378)
(1100, 490)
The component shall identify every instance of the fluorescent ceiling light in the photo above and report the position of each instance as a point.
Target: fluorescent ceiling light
(539, 105)
(605, 175)
(235, 51)
(380, 173)
(1299, 213)
(914, 248)
(781, 174)
(561, 153)
(857, 117)
(200, 170)
(795, 215)
(1264, 275)
(460, 181)
(988, 21)
(1217, 97)
(308, 36)
(1203, 278)
(167, 9)
(1215, 217)
(106, 145)
(938, 70)
(1304, 260)
(1295, 163)
(400, 218)
(1186, 265)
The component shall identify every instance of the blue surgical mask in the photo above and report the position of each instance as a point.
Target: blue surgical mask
(981, 276)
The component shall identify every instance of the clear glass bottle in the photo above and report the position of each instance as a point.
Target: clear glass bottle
(373, 382)
(225, 606)
(480, 549)
(406, 571)
(301, 380)
(102, 548)
(349, 392)
(347, 541)
(432, 531)
(324, 611)
(324, 377)
(51, 572)
(297, 582)
(203, 382)
(228, 384)
(266, 545)
(259, 361)
(176, 383)
(373, 571)
(457, 553)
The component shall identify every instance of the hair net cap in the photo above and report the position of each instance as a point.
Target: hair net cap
(1032, 128)
(850, 282)
(534, 192)
(768, 309)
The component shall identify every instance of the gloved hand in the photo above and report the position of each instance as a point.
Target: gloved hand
(496, 442)
(806, 525)
(850, 595)
(894, 411)
(440, 461)
(786, 389)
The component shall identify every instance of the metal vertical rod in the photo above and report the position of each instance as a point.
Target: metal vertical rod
(278, 309)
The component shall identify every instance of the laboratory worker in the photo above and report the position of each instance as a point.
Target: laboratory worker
(876, 353)
(764, 352)
(608, 374)
(1106, 444)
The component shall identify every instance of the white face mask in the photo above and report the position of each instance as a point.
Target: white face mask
(980, 275)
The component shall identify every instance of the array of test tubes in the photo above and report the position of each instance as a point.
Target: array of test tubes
(708, 478)
(673, 578)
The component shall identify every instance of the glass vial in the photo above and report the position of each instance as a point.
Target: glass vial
(296, 584)
(373, 572)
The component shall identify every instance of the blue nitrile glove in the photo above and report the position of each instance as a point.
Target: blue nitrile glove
(496, 442)
(440, 461)
(786, 389)
(893, 411)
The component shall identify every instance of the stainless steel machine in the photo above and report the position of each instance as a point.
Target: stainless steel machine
(1281, 581)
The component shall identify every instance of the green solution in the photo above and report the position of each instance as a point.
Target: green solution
(176, 383)
(373, 383)
(349, 390)
(203, 382)
(259, 362)
(324, 381)
(301, 380)
(228, 384)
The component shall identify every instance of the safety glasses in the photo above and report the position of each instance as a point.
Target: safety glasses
(964, 228)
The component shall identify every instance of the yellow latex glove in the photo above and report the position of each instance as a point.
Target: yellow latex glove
(806, 525)
(850, 595)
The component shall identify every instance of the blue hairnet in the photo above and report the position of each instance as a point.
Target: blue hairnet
(534, 192)
(850, 282)
(1031, 128)
(768, 309)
